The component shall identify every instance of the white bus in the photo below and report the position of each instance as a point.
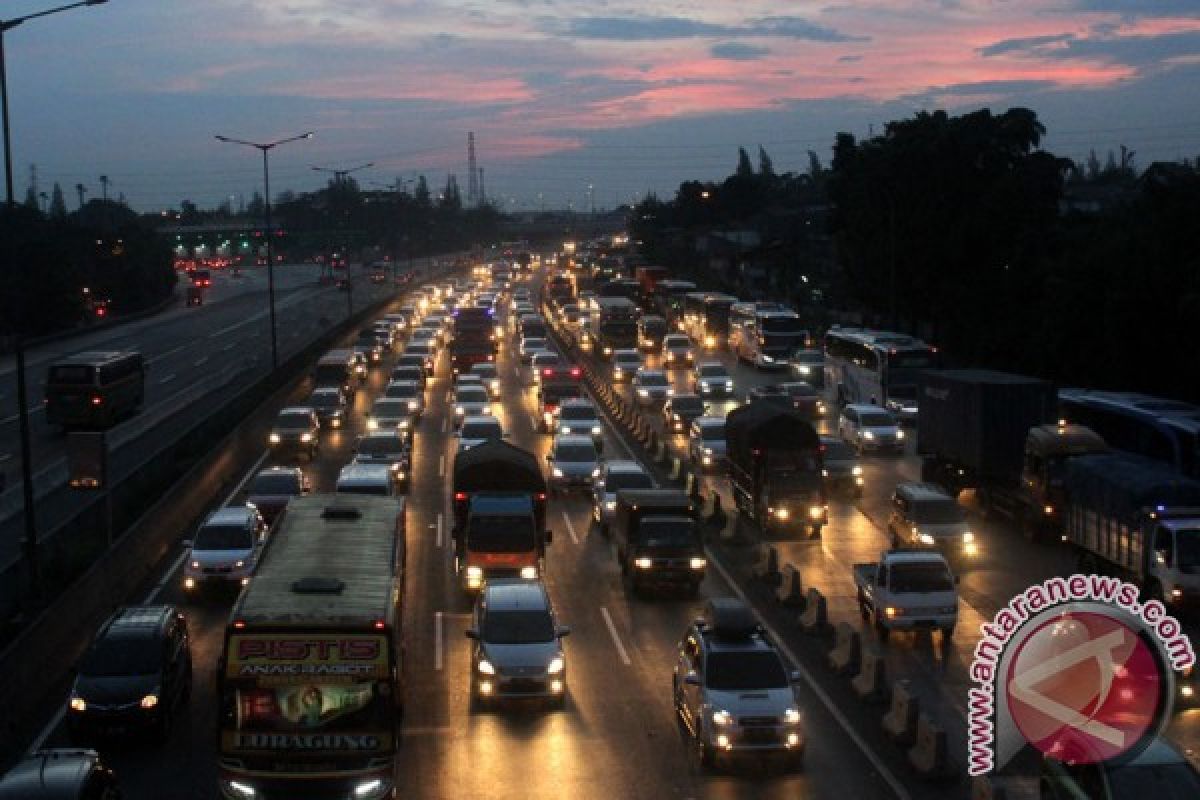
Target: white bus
(1154, 427)
(877, 367)
(765, 334)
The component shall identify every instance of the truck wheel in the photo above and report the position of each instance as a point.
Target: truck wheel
(947, 633)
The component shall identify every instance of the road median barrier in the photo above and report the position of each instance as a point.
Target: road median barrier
(988, 787)
(870, 684)
(676, 469)
(928, 755)
(663, 454)
(790, 591)
(846, 654)
(900, 721)
(815, 619)
(691, 485)
(715, 504)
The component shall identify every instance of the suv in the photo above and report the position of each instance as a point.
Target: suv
(614, 476)
(60, 774)
(870, 427)
(272, 488)
(731, 690)
(408, 391)
(706, 443)
(295, 431)
(710, 378)
(226, 548)
(518, 644)
(136, 672)
(924, 515)
(389, 448)
(680, 410)
(573, 460)
(578, 415)
(1159, 771)
(840, 467)
(330, 404)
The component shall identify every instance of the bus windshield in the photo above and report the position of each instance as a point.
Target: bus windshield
(79, 375)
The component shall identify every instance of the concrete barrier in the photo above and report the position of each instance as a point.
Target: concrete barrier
(663, 454)
(815, 619)
(790, 591)
(691, 485)
(715, 505)
(676, 469)
(988, 787)
(900, 722)
(846, 654)
(870, 684)
(928, 755)
(766, 566)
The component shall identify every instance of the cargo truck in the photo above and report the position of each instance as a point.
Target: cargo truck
(1137, 519)
(474, 338)
(775, 468)
(310, 675)
(996, 433)
(499, 514)
(658, 541)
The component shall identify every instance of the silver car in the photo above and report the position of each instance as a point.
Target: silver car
(477, 430)
(517, 650)
(574, 461)
(677, 352)
(408, 391)
(869, 427)
(579, 416)
(471, 400)
(625, 363)
(390, 414)
(712, 379)
(615, 476)
(490, 376)
(651, 386)
(226, 548)
(706, 442)
(390, 448)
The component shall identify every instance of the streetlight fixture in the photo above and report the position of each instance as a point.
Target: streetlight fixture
(266, 147)
(23, 402)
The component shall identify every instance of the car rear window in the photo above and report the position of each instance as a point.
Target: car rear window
(275, 483)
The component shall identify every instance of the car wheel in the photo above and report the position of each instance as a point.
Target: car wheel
(704, 753)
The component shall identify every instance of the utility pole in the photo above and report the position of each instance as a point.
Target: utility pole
(81, 190)
(104, 186)
(472, 173)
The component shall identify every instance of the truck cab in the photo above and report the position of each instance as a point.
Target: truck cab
(501, 538)
(658, 541)
(908, 589)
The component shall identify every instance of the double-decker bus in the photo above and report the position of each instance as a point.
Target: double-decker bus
(94, 389)
(310, 677)
(706, 318)
(765, 334)
(877, 367)
(1155, 427)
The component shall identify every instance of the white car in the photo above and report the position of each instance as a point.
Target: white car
(226, 548)
(870, 428)
(471, 400)
(651, 386)
(615, 476)
(490, 377)
(624, 364)
(408, 391)
(677, 351)
(477, 430)
(389, 413)
(712, 379)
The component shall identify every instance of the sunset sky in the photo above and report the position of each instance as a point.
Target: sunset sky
(627, 97)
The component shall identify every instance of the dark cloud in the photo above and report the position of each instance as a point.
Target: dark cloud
(738, 51)
(991, 87)
(1140, 8)
(849, 59)
(1024, 44)
(644, 28)
(1135, 51)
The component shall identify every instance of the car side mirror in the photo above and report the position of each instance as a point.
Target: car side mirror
(548, 536)
(563, 630)
(691, 679)
(795, 676)
(471, 633)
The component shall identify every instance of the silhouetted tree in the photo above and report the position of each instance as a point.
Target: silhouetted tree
(58, 205)
(744, 168)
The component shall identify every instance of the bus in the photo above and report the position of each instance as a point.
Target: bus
(1154, 427)
(668, 297)
(310, 674)
(616, 324)
(877, 367)
(706, 318)
(94, 389)
(765, 334)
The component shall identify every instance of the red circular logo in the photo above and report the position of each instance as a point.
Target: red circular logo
(1085, 687)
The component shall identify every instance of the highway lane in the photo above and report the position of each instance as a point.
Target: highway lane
(616, 738)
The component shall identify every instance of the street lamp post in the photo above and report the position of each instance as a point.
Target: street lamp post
(266, 147)
(339, 175)
(19, 345)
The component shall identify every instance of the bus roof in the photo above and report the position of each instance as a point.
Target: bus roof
(96, 357)
(333, 561)
(884, 340)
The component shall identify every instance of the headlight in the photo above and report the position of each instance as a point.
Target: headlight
(856, 470)
(596, 472)
(195, 565)
(149, 701)
(458, 410)
(610, 505)
(617, 372)
(698, 563)
(899, 434)
(925, 538)
(495, 386)
(239, 564)
(306, 437)
(274, 438)
(488, 410)
(558, 473)
(474, 572)
(729, 385)
(722, 718)
(485, 667)
(643, 393)
(404, 423)
(804, 369)
(597, 430)
(565, 429)
(529, 573)
(643, 563)
(412, 405)
(372, 424)
(791, 716)
(782, 513)
(704, 385)
(893, 611)
(868, 435)
(816, 512)
(968, 537)
(1048, 510)
(78, 703)
(708, 451)
(555, 666)
(710, 341)
(240, 789)
(670, 356)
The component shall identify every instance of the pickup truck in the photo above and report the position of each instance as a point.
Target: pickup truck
(908, 589)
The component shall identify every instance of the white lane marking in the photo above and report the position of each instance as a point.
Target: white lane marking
(5, 457)
(833, 710)
(228, 347)
(440, 528)
(437, 640)
(167, 379)
(445, 424)
(612, 631)
(570, 527)
(200, 362)
(533, 424)
(442, 466)
(15, 417)
(167, 354)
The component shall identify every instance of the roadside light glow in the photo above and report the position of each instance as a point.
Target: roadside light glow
(485, 667)
(78, 704)
(555, 666)
(149, 701)
(698, 563)
(643, 563)
(529, 573)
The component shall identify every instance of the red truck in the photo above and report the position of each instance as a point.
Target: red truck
(556, 384)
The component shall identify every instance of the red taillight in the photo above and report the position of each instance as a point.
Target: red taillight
(97, 400)
(379, 625)
(237, 623)
(100, 312)
(547, 372)
(460, 495)
(541, 495)
(575, 373)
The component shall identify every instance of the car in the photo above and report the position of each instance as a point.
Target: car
(490, 377)
(869, 427)
(270, 490)
(652, 328)
(574, 462)
(570, 315)
(391, 414)
(370, 479)
(134, 676)
(925, 515)
(427, 334)
(625, 363)
(225, 549)
(615, 476)
(411, 372)
(1158, 771)
(385, 334)
(60, 773)
(794, 396)
(840, 467)
(295, 430)
(529, 346)
(424, 351)
(368, 344)
(467, 379)
(651, 386)
(541, 360)
(731, 689)
(517, 644)
(471, 400)
(677, 351)
(706, 442)
(389, 448)
(398, 321)
(477, 430)
(809, 366)
(408, 391)
(579, 416)
(711, 379)
(330, 404)
(680, 410)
